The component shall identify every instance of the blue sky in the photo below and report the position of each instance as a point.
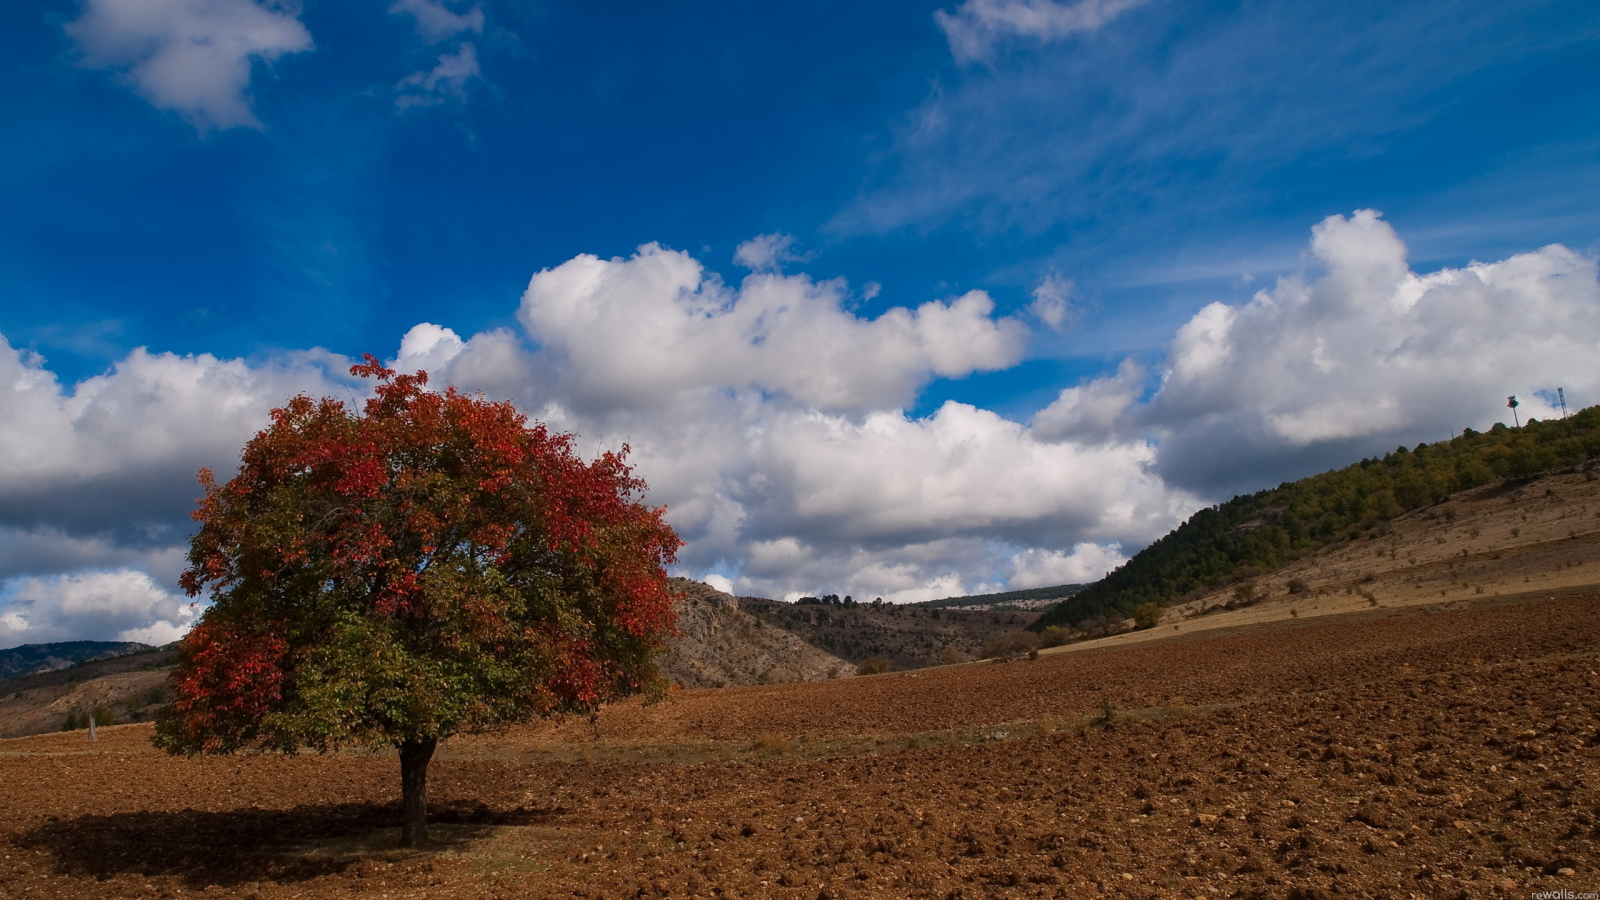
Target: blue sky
(1102, 170)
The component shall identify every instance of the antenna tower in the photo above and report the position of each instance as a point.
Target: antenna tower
(1561, 392)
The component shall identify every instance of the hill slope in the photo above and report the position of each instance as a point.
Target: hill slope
(30, 658)
(908, 637)
(131, 686)
(719, 644)
(1259, 533)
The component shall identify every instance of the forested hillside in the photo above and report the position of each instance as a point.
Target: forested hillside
(1259, 532)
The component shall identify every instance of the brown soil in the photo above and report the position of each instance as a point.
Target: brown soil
(1437, 752)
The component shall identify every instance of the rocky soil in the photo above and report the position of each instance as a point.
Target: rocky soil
(1419, 752)
(720, 644)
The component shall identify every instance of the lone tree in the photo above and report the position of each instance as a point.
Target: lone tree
(430, 566)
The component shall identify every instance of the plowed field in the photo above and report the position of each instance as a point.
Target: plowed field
(1434, 752)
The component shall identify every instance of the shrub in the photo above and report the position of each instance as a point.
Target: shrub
(1147, 615)
(102, 717)
(1298, 586)
(951, 656)
(874, 665)
(73, 721)
(1105, 717)
(1006, 646)
(1093, 626)
(1052, 636)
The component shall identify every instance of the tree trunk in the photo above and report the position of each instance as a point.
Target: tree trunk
(414, 757)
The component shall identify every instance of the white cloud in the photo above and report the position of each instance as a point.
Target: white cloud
(766, 252)
(190, 56)
(445, 82)
(436, 21)
(886, 479)
(978, 25)
(123, 605)
(1087, 562)
(1354, 356)
(121, 449)
(771, 421)
(1092, 412)
(1052, 301)
(719, 582)
(631, 333)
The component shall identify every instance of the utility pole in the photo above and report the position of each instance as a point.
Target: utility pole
(1511, 401)
(1561, 392)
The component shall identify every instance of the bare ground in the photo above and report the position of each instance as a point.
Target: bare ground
(1432, 751)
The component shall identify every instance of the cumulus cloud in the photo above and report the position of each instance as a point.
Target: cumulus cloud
(1354, 355)
(435, 19)
(1086, 562)
(120, 605)
(446, 81)
(633, 332)
(190, 56)
(1094, 412)
(772, 423)
(977, 26)
(886, 480)
(119, 451)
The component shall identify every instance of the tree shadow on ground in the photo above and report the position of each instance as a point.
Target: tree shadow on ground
(238, 846)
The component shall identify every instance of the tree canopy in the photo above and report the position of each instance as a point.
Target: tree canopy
(428, 566)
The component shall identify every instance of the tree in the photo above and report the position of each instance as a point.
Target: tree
(430, 566)
(874, 665)
(1148, 615)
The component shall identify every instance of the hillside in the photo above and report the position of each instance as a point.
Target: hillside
(131, 686)
(1256, 534)
(719, 644)
(30, 658)
(1029, 599)
(907, 637)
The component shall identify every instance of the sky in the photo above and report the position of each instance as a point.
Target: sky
(890, 299)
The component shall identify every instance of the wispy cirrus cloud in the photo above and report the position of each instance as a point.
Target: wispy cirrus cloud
(194, 57)
(436, 21)
(978, 26)
(445, 82)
